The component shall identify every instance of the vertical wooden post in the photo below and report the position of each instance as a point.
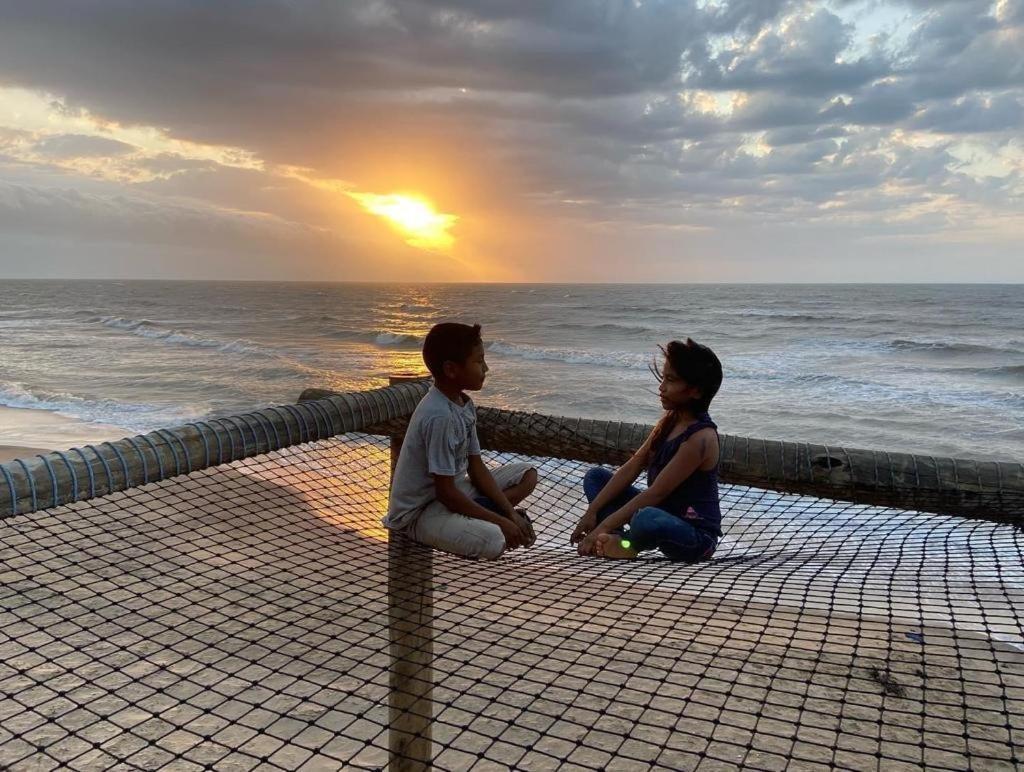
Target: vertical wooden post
(410, 630)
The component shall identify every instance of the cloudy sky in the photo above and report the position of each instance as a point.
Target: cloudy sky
(513, 140)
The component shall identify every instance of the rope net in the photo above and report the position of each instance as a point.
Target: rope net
(237, 618)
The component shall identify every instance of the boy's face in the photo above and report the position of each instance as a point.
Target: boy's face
(469, 375)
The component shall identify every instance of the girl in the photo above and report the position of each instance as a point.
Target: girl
(679, 512)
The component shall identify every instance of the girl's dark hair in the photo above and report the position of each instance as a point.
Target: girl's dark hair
(698, 366)
(449, 342)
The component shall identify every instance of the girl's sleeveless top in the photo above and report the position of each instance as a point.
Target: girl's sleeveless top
(695, 500)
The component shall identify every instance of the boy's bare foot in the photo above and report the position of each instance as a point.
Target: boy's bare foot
(610, 546)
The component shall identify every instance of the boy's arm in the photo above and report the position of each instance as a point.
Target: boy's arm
(456, 501)
(442, 465)
(484, 482)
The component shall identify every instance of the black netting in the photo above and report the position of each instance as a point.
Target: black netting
(238, 617)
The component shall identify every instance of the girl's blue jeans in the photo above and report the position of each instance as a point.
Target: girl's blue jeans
(652, 528)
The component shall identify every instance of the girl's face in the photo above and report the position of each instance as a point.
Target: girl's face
(674, 391)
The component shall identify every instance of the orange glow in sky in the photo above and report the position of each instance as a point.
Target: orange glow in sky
(413, 217)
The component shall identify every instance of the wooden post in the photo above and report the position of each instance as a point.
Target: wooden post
(410, 631)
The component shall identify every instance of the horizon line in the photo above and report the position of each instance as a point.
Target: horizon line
(520, 283)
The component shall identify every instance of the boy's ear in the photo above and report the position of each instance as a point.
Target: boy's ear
(449, 369)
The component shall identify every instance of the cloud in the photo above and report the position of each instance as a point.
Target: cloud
(973, 114)
(792, 135)
(65, 146)
(802, 54)
(165, 164)
(959, 47)
(745, 17)
(132, 218)
(883, 104)
(570, 114)
(65, 232)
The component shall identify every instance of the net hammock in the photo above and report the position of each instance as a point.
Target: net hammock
(238, 616)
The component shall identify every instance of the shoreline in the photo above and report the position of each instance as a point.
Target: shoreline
(28, 431)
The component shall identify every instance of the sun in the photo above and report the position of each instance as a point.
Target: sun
(412, 216)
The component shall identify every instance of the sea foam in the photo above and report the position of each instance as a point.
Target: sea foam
(147, 329)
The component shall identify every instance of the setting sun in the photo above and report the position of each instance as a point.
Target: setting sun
(413, 217)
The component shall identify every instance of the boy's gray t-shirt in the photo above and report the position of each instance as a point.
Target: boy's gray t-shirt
(439, 440)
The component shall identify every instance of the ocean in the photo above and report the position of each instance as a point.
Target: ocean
(936, 369)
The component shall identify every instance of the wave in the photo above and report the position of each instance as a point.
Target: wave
(147, 329)
(864, 399)
(1003, 370)
(608, 327)
(396, 339)
(624, 359)
(947, 347)
(10, 323)
(382, 338)
(25, 313)
(788, 316)
(128, 415)
(683, 309)
(748, 370)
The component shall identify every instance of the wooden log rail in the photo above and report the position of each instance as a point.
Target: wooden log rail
(988, 490)
(62, 477)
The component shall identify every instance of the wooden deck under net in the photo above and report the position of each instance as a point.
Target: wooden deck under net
(237, 618)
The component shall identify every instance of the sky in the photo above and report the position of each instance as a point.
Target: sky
(513, 140)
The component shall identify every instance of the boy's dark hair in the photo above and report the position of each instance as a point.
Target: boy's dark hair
(449, 342)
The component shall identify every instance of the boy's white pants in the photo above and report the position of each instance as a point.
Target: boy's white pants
(439, 527)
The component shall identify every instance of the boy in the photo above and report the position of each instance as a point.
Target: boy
(442, 495)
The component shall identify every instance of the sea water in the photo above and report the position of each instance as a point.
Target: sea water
(935, 369)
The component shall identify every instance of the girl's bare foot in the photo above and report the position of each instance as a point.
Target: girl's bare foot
(611, 546)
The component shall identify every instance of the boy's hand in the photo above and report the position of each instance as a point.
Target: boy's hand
(514, 536)
(583, 527)
(519, 517)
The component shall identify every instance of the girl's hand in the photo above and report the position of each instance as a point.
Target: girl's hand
(588, 546)
(583, 527)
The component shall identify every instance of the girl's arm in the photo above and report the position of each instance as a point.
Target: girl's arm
(690, 456)
(622, 479)
(624, 476)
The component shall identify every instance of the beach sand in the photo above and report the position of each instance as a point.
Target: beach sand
(25, 432)
(11, 452)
